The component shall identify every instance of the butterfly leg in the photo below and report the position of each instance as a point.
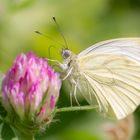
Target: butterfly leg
(51, 60)
(67, 74)
(89, 93)
(75, 91)
(71, 97)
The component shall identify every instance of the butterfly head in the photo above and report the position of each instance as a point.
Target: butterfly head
(66, 53)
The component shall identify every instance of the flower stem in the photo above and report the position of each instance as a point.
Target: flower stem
(22, 136)
(75, 108)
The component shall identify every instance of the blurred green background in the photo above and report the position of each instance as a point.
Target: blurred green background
(83, 24)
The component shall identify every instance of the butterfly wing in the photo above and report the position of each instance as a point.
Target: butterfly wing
(111, 70)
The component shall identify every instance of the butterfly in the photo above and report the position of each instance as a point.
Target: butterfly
(107, 73)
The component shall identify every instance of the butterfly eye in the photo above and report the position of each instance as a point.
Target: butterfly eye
(66, 53)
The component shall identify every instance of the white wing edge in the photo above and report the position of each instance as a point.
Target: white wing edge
(129, 41)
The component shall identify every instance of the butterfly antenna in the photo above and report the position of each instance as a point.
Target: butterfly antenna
(58, 27)
(46, 36)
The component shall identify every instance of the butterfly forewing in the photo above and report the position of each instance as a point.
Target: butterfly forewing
(111, 70)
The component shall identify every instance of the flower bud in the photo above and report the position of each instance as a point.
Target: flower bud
(30, 90)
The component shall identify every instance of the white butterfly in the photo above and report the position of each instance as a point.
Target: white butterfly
(108, 73)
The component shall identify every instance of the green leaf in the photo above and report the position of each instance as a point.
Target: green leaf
(1, 122)
(7, 132)
(3, 112)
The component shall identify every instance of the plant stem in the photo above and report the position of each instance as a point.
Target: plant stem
(75, 108)
(22, 136)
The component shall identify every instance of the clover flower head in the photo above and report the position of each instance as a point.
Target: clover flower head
(30, 89)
